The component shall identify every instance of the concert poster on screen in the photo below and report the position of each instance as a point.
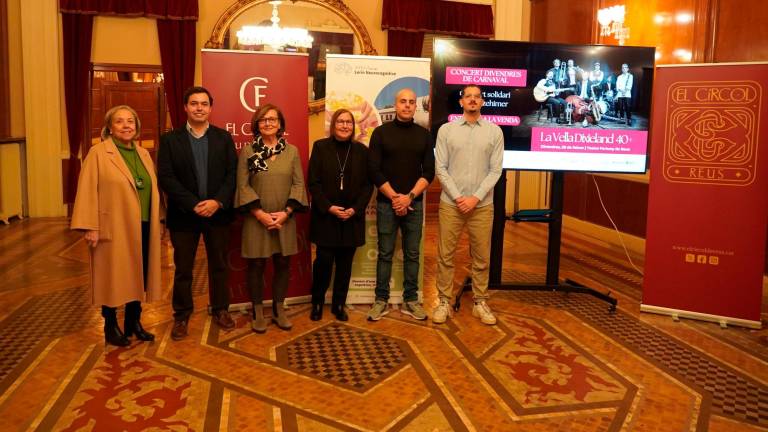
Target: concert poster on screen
(561, 107)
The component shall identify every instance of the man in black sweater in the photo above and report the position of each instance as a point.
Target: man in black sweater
(401, 163)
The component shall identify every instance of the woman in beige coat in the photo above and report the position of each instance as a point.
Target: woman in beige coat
(270, 186)
(117, 208)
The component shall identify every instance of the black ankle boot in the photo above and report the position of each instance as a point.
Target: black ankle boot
(138, 330)
(112, 333)
(317, 312)
(133, 325)
(340, 313)
(113, 336)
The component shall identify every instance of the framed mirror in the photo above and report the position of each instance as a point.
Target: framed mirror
(332, 25)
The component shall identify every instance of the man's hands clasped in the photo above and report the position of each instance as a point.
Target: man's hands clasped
(466, 203)
(401, 204)
(207, 208)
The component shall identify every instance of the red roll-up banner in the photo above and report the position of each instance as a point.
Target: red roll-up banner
(708, 195)
(240, 82)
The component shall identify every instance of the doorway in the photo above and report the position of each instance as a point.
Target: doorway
(138, 86)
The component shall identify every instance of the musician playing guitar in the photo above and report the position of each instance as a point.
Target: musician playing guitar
(546, 91)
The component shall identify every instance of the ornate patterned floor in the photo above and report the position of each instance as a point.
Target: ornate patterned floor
(555, 362)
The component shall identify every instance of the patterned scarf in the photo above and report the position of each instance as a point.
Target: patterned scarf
(257, 162)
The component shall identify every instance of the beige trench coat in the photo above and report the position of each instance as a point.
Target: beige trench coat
(273, 188)
(107, 201)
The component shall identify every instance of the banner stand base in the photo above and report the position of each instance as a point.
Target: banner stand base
(553, 217)
(246, 306)
(369, 299)
(722, 320)
(567, 287)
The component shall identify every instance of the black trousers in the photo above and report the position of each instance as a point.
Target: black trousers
(556, 105)
(255, 278)
(185, 243)
(321, 273)
(623, 107)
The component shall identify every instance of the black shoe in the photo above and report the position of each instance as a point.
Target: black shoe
(317, 312)
(179, 331)
(138, 330)
(223, 319)
(113, 336)
(340, 312)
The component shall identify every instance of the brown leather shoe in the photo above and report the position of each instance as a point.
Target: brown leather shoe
(179, 331)
(223, 319)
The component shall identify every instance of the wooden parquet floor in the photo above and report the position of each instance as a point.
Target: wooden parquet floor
(555, 362)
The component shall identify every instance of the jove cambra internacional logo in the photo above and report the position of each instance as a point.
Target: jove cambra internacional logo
(711, 136)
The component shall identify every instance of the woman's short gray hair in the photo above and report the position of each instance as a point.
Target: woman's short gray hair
(106, 133)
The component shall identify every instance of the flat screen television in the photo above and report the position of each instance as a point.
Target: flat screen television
(561, 107)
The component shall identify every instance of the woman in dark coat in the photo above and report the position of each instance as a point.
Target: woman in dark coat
(340, 189)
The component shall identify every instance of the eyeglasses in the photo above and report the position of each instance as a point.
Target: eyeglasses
(270, 120)
(345, 122)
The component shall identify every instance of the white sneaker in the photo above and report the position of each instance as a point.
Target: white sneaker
(483, 311)
(441, 312)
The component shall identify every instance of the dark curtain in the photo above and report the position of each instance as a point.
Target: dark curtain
(438, 16)
(176, 21)
(169, 9)
(177, 53)
(77, 31)
(404, 43)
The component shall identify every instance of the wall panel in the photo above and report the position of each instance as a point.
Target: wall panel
(741, 31)
(5, 112)
(564, 21)
(668, 25)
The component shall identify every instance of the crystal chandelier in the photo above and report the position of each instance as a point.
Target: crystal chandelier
(611, 21)
(274, 36)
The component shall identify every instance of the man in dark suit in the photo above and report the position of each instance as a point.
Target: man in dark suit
(197, 164)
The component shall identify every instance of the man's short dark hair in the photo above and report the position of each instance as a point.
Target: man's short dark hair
(471, 86)
(194, 90)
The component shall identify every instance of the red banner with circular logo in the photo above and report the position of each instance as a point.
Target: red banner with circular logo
(708, 195)
(240, 82)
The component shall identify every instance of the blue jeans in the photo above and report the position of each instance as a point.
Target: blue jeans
(410, 226)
